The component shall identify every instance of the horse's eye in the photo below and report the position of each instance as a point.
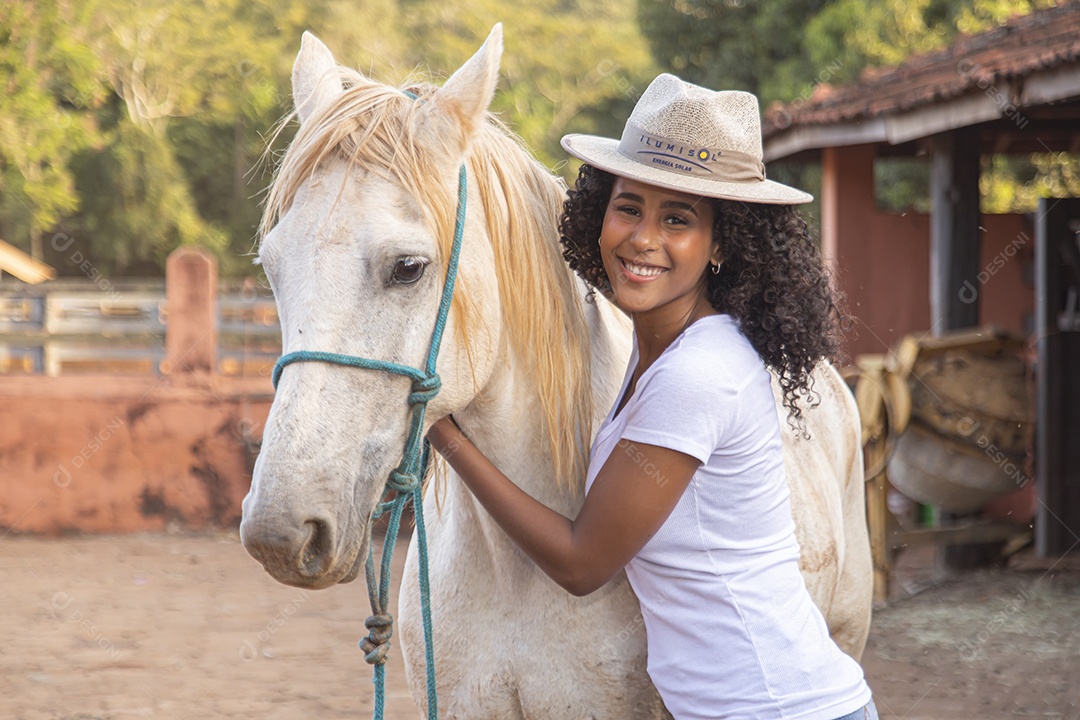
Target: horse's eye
(408, 270)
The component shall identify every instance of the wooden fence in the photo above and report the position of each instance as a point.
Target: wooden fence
(78, 327)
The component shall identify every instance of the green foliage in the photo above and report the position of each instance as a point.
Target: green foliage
(854, 34)
(753, 45)
(134, 127)
(167, 59)
(50, 79)
(979, 15)
(133, 188)
(902, 184)
(1015, 184)
(569, 67)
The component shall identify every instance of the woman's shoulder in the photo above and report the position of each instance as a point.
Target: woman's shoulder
(717, 341)
(713, 355)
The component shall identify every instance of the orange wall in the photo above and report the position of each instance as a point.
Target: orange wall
(118, 454)
(883, 260)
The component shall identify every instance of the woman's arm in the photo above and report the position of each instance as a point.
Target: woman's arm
(632, 496)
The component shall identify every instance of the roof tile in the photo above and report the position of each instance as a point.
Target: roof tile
(1022, 46)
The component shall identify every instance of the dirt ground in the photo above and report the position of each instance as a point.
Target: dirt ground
(188, 626)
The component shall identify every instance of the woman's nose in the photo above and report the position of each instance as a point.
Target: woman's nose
(644, 238)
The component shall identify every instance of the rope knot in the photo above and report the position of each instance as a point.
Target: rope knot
(376, 645)
(425, 389)
(402, 482)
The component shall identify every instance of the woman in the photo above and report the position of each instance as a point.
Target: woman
(686, 489)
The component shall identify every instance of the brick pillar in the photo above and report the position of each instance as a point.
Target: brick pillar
(191, 277)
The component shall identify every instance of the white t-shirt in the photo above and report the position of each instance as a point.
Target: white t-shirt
(732, 631)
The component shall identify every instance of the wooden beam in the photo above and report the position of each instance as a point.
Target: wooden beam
(961, 112)
(22, 266)
(954, 230)
(964, 533)
(1049, 86)
(814, 137)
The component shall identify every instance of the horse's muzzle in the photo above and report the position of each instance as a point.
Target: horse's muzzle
(299, 553)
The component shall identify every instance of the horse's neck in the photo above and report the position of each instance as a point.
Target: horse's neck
(505, 421)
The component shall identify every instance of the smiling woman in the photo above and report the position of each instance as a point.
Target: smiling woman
(686, 488)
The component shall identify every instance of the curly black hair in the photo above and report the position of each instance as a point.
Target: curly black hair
(772, 281)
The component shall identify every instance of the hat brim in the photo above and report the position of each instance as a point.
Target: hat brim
(604, 153)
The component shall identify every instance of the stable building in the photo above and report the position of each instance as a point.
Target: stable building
(1011, 90)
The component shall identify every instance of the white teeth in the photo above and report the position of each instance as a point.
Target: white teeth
(642, 270)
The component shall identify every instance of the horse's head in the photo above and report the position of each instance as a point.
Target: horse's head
(356, 240)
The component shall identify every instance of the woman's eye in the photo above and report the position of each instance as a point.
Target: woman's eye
(628, 209)
(408, 270)
(676, 220)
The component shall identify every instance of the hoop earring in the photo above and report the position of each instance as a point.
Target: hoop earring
(598, 240)
(716, 269)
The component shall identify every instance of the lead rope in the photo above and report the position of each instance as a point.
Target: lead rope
(405, 481)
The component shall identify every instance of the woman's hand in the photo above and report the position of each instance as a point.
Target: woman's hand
(445, 437)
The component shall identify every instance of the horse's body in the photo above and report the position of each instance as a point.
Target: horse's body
(530, 363)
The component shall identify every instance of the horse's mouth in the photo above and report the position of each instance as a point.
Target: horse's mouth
(354, 570)
(287, 574)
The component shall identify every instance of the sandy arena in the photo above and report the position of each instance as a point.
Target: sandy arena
(188, 626)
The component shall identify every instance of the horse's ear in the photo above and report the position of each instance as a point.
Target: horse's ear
(315, 81)
(466, 95)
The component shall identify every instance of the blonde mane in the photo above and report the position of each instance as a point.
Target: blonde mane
(379, 128)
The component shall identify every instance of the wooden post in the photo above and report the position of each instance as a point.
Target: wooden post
(191, 331)
(877, 521)
(870, 398)
(954, 230)
(955, 247)
(1057, 441)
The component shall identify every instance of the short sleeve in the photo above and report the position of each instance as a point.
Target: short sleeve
(685, 402)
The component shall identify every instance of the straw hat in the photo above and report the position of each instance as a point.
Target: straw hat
(688, 138)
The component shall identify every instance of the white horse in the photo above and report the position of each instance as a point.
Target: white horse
(355, 244)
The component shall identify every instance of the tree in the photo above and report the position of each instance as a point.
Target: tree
(562, 61)
(51, 83)
(752, 45)
(187, 78)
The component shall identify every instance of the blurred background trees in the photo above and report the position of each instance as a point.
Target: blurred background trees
(782, 50)
(137, 126)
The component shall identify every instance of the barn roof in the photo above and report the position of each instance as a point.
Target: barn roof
(1030, 60)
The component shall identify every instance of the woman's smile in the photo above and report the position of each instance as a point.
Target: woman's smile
(641, 272)
(657, 245)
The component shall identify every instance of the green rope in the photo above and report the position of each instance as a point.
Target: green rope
(405, 481)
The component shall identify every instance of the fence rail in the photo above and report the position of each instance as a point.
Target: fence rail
(71, 327)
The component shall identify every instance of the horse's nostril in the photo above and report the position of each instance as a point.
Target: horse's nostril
(316, 554)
